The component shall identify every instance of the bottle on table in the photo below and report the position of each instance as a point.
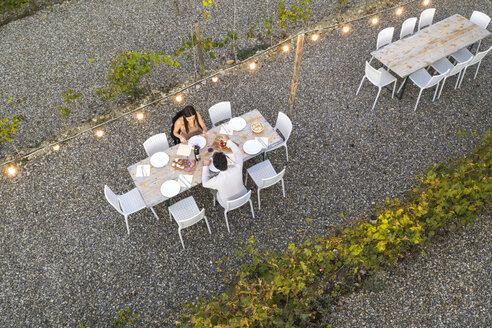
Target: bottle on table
(197, 153)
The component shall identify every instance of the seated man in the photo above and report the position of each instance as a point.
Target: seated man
(229, 181)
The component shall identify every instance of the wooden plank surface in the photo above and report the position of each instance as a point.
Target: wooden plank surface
(428, 45)
(149, 187)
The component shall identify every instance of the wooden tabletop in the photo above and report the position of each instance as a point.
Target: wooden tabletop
(149, 187)
(428, 45)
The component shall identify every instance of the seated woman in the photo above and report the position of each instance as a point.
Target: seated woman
(189, 124)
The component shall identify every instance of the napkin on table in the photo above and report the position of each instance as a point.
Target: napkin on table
(185, 180)
(183, 150)
(143, 171)
(225, 129)
(231, 159)
(263, 141)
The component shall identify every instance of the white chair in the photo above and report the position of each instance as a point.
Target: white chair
(482, 20)
(186, 213)
(424, 80)
(126, 204)
(219, 112)
(426, 18)
(385, 37)
(264, 176)
(444, 65)
(477, 59)
(284, 125)
(236, 203)
(155, 144)
(408, 27)
(380, 78)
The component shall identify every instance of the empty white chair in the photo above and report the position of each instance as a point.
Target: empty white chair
(444, 65)
(426, 18)
(424, 80)
(186, 213)
(385, 37)
(380, 78)
(219, 112)
(264, 176)
(126, 204)
(155, 144)
(477, 59)
(236, 203)
(482, 20)
(284, 125)
(408, 27)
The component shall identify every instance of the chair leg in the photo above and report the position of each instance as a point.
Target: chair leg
(377, 96)
(227, 221)
(208, 226)
(286, 152)
(418, 98)
(155, 214)
(437, 91)
(259, 201)
(393, 92)
(478, 46)
(214, 194)
(170, 215)
(246, 180)
(283, 187)
(360, 85)
(181, 238)
(252, 210)
(462, 76)
(127, 226)
(476, 72)
(370, 60)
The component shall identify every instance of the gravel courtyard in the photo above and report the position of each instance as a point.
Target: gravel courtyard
(64, 252)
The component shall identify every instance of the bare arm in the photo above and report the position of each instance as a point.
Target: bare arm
(202, 124)
(178, 126)
(238, 154)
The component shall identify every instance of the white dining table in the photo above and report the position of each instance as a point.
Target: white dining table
(149, 186)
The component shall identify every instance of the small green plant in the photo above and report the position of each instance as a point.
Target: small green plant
(12, 4)
(208, 6)
(208, 44)
(9, 126)
(243, 54)
(68, 97)
(127, 69)
(299, 11)
(125, 317)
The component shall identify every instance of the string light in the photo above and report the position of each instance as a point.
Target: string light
(252, 65)
(215, 79)
(12, 171)
(179, 98)
(285, 48)
(56, 147)
(99, 133)
(426, 2)
(399, 11)
(375, 20)
(346, 29)
(140, 116)
(315, 36)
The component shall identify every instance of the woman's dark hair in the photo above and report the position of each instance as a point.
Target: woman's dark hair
(187, 112)
(220, 161)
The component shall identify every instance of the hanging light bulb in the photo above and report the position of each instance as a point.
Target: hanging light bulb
(215, 79)
(346, 29)
(399, 11)
(375, 20)
(56, 147)
(285, 48)
(315, 36)
(140, 116)
(99, 133)
(252, 65)
(179, 98)
(426, 2)
(12, 171)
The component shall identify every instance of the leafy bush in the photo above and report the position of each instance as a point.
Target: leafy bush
(8, 128)
(243, 54)
(11, 4)
(299, 11)
(293, 288)
(126, 70)
(68, 96)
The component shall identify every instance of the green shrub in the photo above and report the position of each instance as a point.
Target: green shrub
(8, 127)
(68, 96)
(294, 287)
(126, 70)
(11, 4)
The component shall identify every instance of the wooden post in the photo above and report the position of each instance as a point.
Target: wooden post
(199, 49)
(295, 77)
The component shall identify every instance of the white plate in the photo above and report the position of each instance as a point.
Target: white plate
(159, 159)
(170, 188)
(237, 123)
(197, 140)
(252, 147)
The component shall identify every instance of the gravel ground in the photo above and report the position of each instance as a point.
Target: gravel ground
(450, 286)
(64, 252)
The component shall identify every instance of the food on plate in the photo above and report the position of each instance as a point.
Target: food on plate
(184, 164)
(257, 127)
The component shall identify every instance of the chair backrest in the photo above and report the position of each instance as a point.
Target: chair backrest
(459, 66)
(174, 119)
(408, 27)
(191, 221)
(238, 202)
(112, 199)
(385, 37)
(373, 74)
(426, 18)
(284, 125)
(435, 79)
(479, 18)
(156, 143)
(219, 112)
(478, 57)
(267, 182)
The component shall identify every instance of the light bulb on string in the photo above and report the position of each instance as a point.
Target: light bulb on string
(179, 98)
(285, 48)
(426, 2)
(12, 171)
(346, 29)
(375, 20)
(215, 79)
(99, 133)
(399, 11)
(252, 65)
(140, 116)
(56, 147)
(315, 36)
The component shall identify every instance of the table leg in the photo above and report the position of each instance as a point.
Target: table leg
(399, 95)
(167, 202)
